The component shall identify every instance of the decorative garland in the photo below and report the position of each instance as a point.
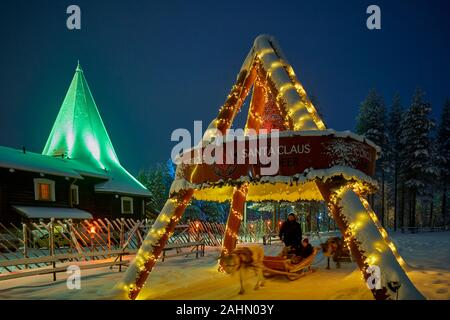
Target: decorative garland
(234, 218)
(154, 243)
(368, 241)
(257, 70)
(331, 195)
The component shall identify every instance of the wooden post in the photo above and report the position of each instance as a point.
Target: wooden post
(352, 208)
(25, 242)
(316, 210)
(277, 221)
(274, 212)
(138, 235)
(91, 237)
(52, 245)
(358, 256)
(245, 223)
(152, 248)
(189, 230)
(109, 236)
(69, 223)
(122, 235)
(234, 219)
(245, 213)
(197, 231)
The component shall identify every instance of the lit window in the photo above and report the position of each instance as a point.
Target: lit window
(74, 194)
(44, 190)
(127, 204)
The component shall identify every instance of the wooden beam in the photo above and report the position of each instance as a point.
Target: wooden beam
(234, 218)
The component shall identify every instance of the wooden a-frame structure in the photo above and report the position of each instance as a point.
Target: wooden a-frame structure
(318, 164)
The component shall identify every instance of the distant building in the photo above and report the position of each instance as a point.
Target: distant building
(78, 175)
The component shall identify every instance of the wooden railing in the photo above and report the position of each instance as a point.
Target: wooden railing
(58, 263)
(43, 247)
(424, 229)
(35, 245)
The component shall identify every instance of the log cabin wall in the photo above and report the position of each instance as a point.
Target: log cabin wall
(17, 188)
(109, 206)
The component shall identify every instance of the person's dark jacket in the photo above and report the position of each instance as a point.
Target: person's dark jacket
(306, 251)
(291, 233)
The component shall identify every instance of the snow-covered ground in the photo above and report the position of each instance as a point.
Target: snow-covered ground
(427, 255)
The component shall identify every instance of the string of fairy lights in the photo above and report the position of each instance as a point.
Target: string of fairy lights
(234, 219)
(357, 188)
(370, 256)
(295, 84)
(383, 232)
(253, 113)
(350, 230)
(150, 250)
(264, 78)
(168, 216)
(295, 116)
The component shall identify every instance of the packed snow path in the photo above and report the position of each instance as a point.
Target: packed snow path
(427, 255)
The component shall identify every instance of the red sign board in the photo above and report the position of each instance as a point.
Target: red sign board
(292, 155)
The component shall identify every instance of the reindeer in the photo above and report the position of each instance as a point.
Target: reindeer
(244, 257)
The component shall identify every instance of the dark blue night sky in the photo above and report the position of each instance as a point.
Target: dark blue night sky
(156, 66)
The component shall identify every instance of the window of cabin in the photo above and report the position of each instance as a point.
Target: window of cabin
(74, 195)
(127, 204)
(44, 190)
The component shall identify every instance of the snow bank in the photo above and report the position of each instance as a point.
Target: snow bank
(427, 255)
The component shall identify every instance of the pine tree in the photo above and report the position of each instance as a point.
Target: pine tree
(157, 179)
(443, 159)
(193, 212)
(395, 117)
(415, 139)
(371, 122)
(428, 193)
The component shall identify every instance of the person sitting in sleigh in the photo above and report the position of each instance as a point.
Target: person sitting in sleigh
(306, 249)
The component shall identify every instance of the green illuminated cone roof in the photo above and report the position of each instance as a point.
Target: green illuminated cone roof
(80, 135)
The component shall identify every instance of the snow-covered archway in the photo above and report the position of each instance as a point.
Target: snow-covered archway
(313, 164)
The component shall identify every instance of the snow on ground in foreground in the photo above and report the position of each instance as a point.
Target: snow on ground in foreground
(427, 255)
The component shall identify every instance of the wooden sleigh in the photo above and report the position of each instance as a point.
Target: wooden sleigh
(283, 266)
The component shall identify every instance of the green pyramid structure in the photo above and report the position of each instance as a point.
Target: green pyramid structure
(80, 136)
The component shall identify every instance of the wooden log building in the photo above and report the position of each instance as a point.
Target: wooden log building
(78, 175)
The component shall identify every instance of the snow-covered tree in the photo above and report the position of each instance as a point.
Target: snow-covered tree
(443, 159)
(428, 193)
(269, 208)
(312, 215)
(193, 212)
(416, 146)
(207, 211)
(395, 116)
(371, 122)
(157, 179)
